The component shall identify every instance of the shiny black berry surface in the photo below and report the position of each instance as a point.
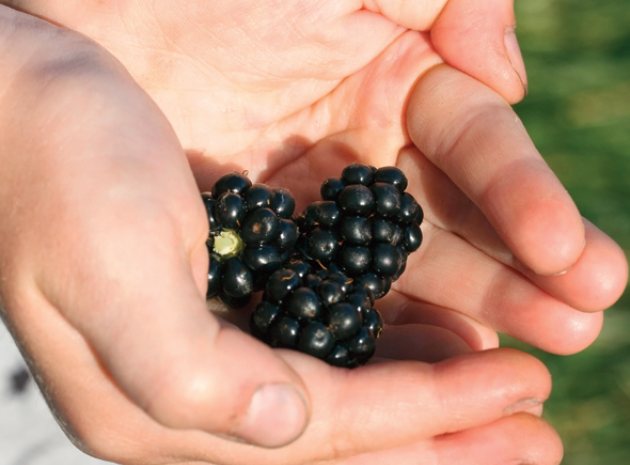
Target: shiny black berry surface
(321, 271)
(251, 235)
(319, 312)
(366, 224)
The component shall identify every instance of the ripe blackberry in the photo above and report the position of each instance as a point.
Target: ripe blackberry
(251, 235)
(319, 312)
(367, 224)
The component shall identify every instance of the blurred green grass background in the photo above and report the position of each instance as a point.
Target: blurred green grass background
(577, 54)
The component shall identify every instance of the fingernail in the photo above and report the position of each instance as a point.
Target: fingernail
(276, 416)
(513, 51)
(527, 405)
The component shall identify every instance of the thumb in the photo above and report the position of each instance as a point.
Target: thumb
(478, 37)
(172, 358)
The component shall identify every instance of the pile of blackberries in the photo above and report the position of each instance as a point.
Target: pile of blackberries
(322, 271)
(366, 224)
(251, 235)
(319, 312)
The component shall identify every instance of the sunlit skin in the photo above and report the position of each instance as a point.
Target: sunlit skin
(103, 256)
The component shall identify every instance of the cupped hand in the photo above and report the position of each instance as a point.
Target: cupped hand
(109, 254)
(103, 274)
(292, 91)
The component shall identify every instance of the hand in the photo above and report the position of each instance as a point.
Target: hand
(133, 382)
(103, 268)
(287, 89)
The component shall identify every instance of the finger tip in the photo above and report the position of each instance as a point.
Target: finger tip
(601, 275)
(536, 216)
(555, 253)
(537, 370)
(579, 332)
(552, 238)
(487, 34)
(596, 281)
(610, 275)
(549, 447)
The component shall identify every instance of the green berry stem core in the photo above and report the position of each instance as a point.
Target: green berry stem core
(228, 244)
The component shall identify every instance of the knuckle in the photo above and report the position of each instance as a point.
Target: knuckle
(182, 398)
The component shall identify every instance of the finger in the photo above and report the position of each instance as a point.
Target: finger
(593, 283)
(478, 37)
(422, 343)
(596, 281)
(521, 438)
(518, 439)
(447, 271)
(425, 400)
(373, 413)
(399, 310)
(473, 136)
(446, 206)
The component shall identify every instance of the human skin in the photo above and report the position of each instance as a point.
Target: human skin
(103, 256)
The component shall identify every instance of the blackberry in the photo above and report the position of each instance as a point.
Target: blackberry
(366, 224)
(251, 235)
(319, 312)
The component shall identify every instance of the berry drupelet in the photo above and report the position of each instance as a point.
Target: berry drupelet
(319, 312)
(251, 235)
(366, 223)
